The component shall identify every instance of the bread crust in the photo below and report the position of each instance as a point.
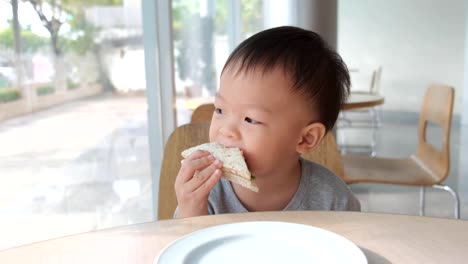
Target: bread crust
(241, 181)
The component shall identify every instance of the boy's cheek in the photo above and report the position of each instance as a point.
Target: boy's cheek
(252, 156)
(211, 133)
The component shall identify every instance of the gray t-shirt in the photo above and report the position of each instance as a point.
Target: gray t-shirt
(319, 189)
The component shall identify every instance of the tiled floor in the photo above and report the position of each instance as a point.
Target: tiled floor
(85, 166)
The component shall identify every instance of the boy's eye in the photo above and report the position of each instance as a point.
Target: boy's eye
(251, 121)
(218, 110)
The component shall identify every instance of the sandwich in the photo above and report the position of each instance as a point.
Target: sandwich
(234, 166)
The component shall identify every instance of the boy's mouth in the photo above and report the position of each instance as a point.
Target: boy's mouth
(228, 145)
(232, 146)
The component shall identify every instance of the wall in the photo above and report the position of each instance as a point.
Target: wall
(465, 87)
(417, 42)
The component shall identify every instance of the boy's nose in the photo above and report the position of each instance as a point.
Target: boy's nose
(227, 132)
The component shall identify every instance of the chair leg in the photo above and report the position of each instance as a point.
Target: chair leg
(422, 191)
(374, 119)
(454, 195)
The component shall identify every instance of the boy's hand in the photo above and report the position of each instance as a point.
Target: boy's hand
(198, 174)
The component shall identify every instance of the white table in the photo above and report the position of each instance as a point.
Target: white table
(362, 100)
(383, 238)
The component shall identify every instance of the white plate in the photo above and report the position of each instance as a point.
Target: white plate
(261, 242)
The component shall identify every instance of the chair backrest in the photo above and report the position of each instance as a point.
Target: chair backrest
(203, 113)
(328, 155)
(375, 81)
(437, 108)
(182, 138)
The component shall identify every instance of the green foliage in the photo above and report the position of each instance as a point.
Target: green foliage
(46, 89)
(194, 36)
(81, 36)
(180, 10)
(195, 59)
(30, 41)
(221, 17)
(6, 39)
(71, 85)
(33, 42)
(9, 94)
(89, 2)
(251, 17)
(80, 39)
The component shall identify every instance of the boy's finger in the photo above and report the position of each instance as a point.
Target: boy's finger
(209, 184)
(188, 167)
(197, 154)
(200, 176)
(201, 163)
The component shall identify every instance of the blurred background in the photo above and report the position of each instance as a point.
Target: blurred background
(87, 99)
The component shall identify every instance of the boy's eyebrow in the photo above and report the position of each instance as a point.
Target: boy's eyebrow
(259, 107)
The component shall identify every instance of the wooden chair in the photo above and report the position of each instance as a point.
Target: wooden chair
(182, 138)
(429, 167)
(203, 113)
(375, 81)
(328, 155)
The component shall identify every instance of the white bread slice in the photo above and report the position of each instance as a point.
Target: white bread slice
(234, 166)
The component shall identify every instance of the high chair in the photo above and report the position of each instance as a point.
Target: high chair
(203, 113)
(328, 155)
(183, 137)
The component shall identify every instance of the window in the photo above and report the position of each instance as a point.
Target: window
(73, 125)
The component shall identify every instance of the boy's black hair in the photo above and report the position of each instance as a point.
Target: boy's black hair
(316, 70)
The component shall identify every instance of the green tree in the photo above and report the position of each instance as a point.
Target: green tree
(16, 27)
(180, 10)
(30, 41)
(194, 35)
(194, 38)
(17, 42)
(80, 39)
(251, 17)
(53, 21)
(62, 11)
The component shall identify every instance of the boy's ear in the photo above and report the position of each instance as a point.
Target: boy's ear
(310, 137)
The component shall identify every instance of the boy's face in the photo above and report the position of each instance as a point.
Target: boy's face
(260, 114)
